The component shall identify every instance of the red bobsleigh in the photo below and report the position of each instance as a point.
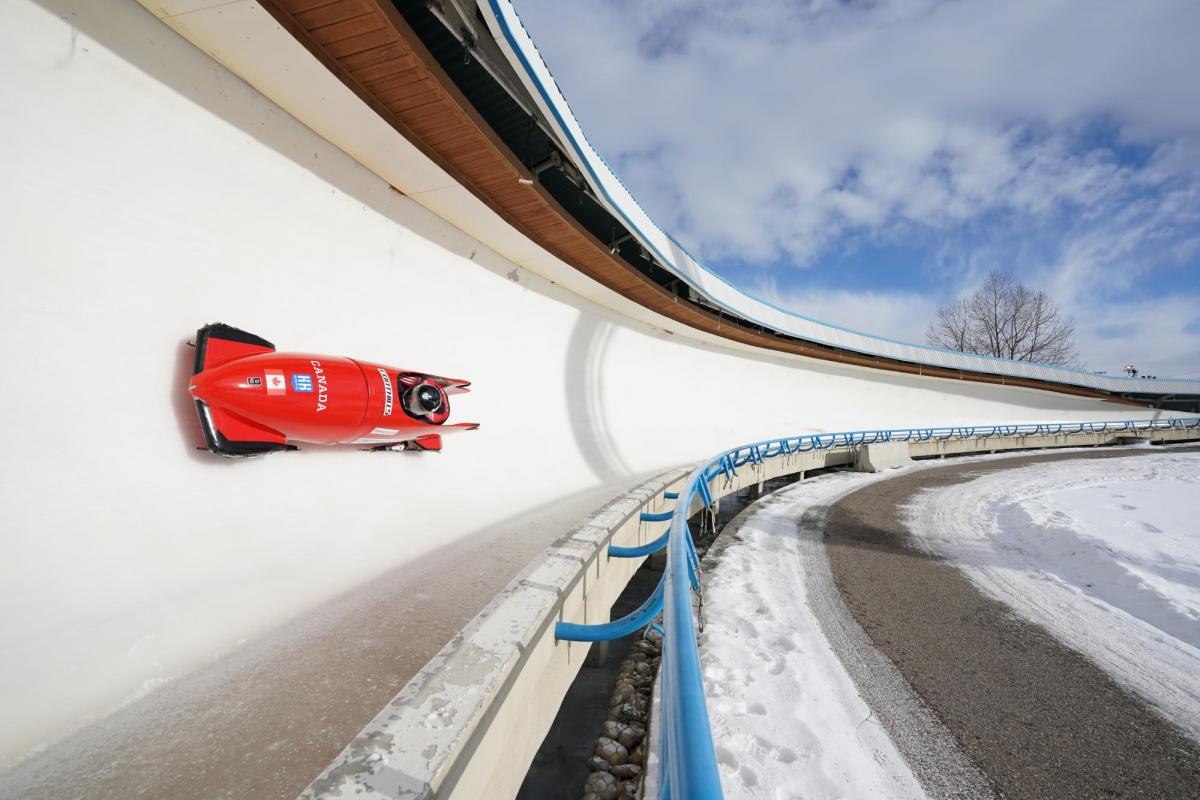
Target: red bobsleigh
(253, 400)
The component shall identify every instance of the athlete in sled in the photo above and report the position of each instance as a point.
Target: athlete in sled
(253, 400)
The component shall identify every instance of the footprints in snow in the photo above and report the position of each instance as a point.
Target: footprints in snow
(745, 775)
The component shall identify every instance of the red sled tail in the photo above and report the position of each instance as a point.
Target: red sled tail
(218, 343)
(229, 435)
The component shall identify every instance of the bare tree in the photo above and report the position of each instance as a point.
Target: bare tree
(1007, 319)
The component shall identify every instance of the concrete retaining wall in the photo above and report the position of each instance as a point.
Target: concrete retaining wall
(881, 456)
(999, 444)
(470, 723)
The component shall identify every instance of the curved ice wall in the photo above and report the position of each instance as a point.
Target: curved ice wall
(149, 191)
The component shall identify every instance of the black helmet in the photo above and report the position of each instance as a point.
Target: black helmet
(424, 399)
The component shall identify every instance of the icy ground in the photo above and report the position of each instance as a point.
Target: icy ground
(786, 717)
(1103, 553)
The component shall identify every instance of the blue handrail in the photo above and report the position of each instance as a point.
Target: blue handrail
(574, 632)
(689, 761)
(688, 764)
(650, 548)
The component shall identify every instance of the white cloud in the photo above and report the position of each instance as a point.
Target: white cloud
(1152, 335)
(757, 111)
(1160, 336)
(901, 316)
(784, 132)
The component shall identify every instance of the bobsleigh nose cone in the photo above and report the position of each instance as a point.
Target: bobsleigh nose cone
(197, 386)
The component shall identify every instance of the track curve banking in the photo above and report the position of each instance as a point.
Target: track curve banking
(472, 92)
(179, 162)
(1038, 718)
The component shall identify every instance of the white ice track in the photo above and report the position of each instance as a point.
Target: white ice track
(148, 191)
(1104, 554)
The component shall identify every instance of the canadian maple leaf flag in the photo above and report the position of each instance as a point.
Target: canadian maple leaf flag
(275, 382)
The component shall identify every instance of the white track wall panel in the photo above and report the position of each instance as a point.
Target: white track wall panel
(149, 191)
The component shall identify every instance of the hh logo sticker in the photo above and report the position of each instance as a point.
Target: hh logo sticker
(275, 382)
(302, 383)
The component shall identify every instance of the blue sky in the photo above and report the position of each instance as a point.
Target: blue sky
(864, 161)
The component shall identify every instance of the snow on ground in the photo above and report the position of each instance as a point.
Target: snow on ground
(1103, 553)
(786, 717)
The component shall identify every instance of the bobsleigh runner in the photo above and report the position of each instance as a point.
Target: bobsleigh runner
(253, 400)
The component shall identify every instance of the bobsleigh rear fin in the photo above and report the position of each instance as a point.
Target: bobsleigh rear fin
(450, 385)
(218, 343)
(458, 427)
(229, 435)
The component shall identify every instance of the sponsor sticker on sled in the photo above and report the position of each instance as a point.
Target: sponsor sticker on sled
(275, 382)
(302, 382)
(387, 392)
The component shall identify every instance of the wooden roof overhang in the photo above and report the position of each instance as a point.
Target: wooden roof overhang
(373, 51)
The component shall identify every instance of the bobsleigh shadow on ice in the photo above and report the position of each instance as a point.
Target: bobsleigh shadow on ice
(253, 400)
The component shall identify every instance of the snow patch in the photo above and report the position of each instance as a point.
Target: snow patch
(1103, 554)
(786, 716)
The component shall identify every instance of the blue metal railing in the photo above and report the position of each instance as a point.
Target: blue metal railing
(649, 548)
(645, 614)
(689, 764)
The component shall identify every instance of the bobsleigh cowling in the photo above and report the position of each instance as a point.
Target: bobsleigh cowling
(252, 399)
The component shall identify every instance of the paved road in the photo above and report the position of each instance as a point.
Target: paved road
(1038, 719)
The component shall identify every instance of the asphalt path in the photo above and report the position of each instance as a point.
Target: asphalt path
(1038, 719)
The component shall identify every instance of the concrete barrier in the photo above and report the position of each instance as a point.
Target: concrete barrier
(997, 444)
(469, 724)
(882, 455)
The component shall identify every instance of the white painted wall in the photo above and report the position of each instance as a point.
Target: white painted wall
(148, 191)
